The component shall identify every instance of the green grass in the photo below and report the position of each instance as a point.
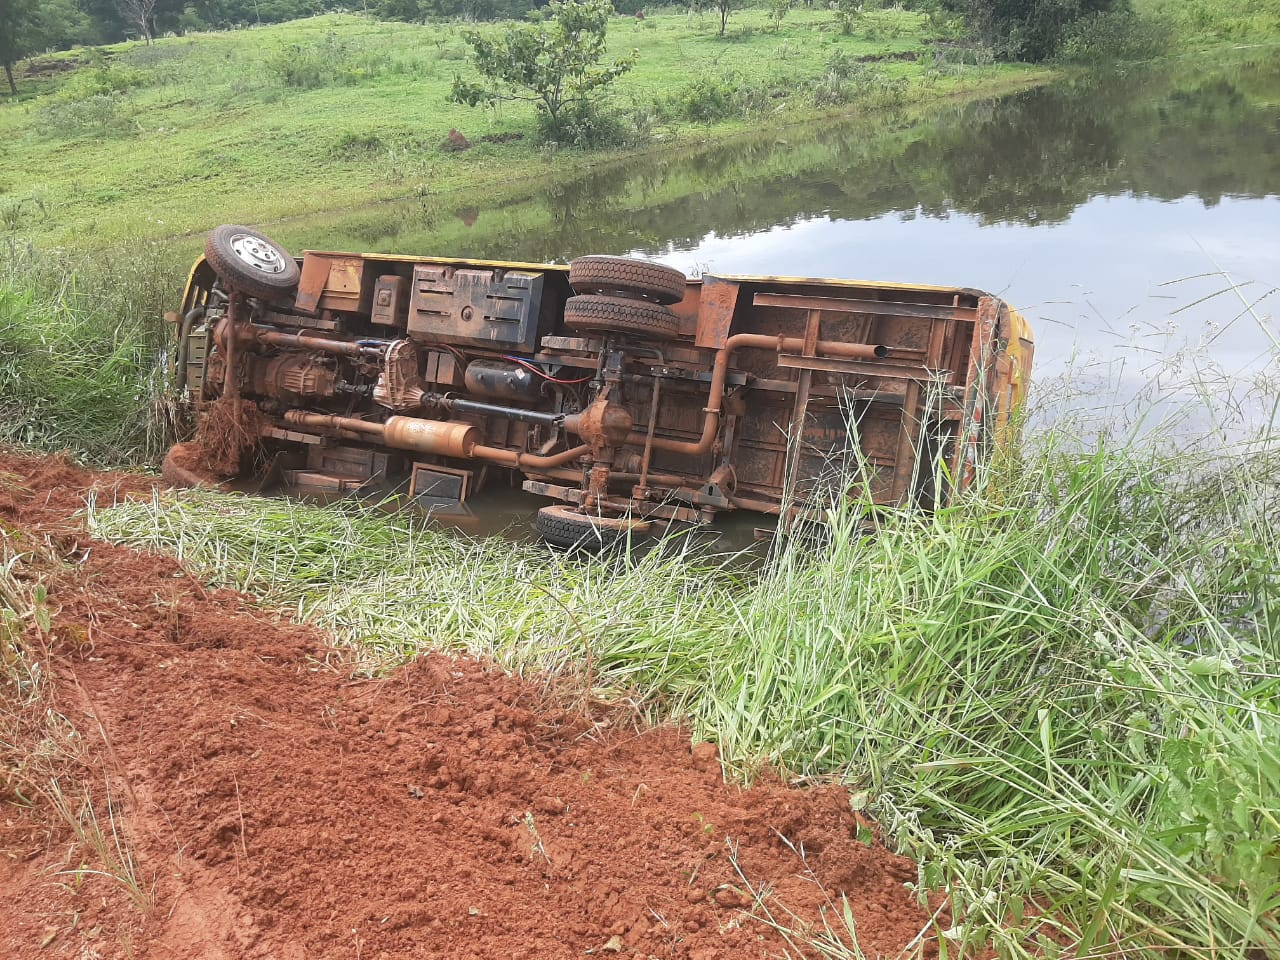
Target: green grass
(83, 353)
(1201, 23)
(337, 111)
(1059, 697)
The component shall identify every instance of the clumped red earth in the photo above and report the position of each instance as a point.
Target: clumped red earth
(275, 806)
(227, 431)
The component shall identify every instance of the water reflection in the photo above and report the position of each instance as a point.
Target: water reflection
(1110, 208)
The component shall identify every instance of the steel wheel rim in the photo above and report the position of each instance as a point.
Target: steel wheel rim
(257, 254)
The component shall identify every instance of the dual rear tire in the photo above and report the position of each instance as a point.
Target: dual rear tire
(618, 296)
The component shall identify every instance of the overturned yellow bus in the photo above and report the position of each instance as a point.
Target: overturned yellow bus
(625, 393)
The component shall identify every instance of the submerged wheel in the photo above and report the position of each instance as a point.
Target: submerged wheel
(182, 468)
(251, 263)
(637, 318)
(622, 276)
(565, 526)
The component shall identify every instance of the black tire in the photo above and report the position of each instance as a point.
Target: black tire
(565, 526)
(247, 261)
(637, 318)
(620, 276)
(181, 469)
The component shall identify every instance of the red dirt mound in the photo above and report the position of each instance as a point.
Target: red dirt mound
(276, 807)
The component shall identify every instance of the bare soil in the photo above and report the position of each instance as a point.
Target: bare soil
(274, 806)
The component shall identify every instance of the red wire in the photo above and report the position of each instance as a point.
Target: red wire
(543, 374)
(456, 352)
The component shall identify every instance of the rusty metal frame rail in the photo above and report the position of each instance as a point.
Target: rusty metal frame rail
(890, 308)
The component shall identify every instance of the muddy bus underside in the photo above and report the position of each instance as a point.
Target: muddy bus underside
(757, 393)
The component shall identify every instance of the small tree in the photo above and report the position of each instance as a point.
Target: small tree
(848, 12)
(140, 14)
(554, 64)
(778, 10)
(722, 7)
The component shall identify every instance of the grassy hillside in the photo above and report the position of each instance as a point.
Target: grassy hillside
(160, 140)
(1199, 23)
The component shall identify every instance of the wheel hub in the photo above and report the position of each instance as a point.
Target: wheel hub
(253, 252)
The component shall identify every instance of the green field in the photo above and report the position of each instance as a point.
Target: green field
(337, 111)
(1200, 23)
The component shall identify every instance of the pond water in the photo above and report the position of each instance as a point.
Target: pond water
(1131, 216)
(1105, 207)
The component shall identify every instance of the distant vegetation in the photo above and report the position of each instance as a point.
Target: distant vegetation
(1030, 30)
(165, 138)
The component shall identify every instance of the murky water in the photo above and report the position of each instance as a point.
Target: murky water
(1130, 216)
(1096, 205)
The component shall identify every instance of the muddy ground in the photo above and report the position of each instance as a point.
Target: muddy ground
(273, 805)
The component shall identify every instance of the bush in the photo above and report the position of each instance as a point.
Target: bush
(97, 115)
(354, 146)
(840, 64)
(588, 125)
(330, 62)
(103, 81)
(409, 11)
(1031, 30)
(556, 63)
(705, 99)
(710, 98)
(1116, 35)
(847, 81)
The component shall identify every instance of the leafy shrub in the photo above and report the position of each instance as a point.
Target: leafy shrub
(841, 64)
(709, 98)
(587, 125)
(353, 146)
(96, 115)
(332, 62)
(557, 63)
(705, 99)
(847, 81)
(848, 12)
(830, 90)
(1031, 30)
(102, 81)
(1116, 35)
(409, 11)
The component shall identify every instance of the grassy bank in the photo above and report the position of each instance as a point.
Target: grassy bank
(1061, 698)
(255, 125)
(83, 352)
(1204, 23)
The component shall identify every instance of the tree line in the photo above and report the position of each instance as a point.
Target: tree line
(1012, 29)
